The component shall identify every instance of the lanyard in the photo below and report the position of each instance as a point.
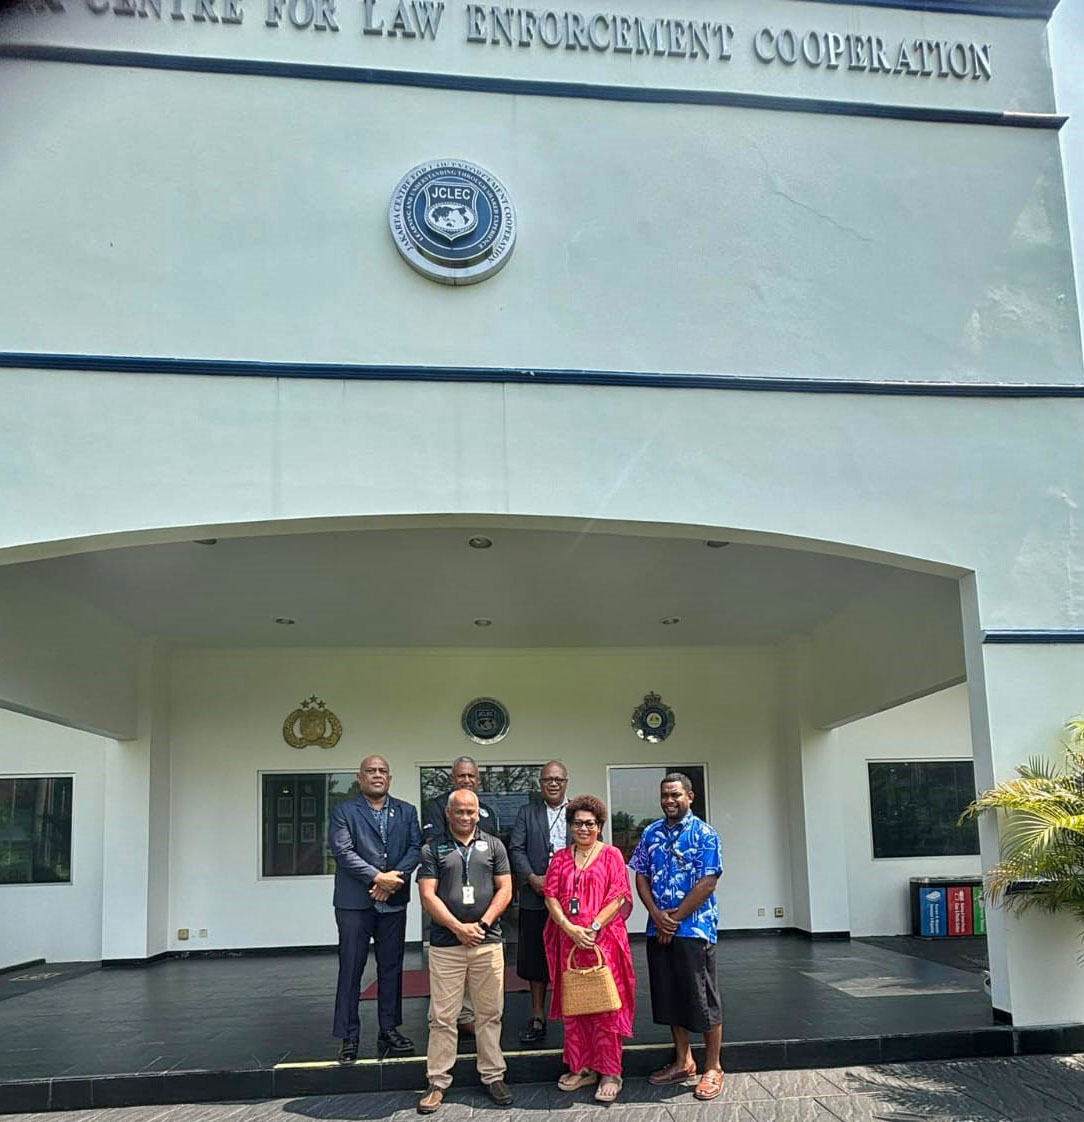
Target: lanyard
(464, 854)
(578, 872)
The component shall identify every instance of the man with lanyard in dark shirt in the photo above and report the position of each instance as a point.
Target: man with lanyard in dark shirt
(465, 777)
(540, 830)
(465, 885)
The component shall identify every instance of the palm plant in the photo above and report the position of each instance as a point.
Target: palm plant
(1042, 832)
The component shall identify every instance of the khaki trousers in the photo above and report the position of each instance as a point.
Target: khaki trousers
(450, 970)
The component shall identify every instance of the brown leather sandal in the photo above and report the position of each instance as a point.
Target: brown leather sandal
(430, 1102)
(672, 1073)
(710, 1085)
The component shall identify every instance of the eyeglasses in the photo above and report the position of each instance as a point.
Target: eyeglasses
(584, 824)
(552, 779)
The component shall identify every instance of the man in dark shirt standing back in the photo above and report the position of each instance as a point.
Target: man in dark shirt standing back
(465, 884)
(464, 777)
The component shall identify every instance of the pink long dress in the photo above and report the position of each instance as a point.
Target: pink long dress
(593, 1041)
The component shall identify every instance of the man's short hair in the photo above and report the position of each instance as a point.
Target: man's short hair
(464, 760)
(678, 777)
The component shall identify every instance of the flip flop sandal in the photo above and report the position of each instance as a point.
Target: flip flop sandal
(574, 1080)
(710, 1086)
(608, 1089)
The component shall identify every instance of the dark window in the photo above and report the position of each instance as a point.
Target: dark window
(36, 830)
(295, 814)
(915, 808)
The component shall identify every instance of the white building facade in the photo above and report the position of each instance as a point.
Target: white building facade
(790, 276)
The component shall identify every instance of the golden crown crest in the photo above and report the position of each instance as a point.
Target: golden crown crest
(312, 723)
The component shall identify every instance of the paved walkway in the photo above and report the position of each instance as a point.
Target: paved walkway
(1022, 1089)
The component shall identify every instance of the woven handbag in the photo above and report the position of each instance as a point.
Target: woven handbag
(588, 989)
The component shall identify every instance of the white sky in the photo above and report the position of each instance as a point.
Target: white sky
(1067, 55)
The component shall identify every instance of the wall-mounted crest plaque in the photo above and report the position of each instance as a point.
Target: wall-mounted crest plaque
(313, 724)
(452, 221)
(485, 720)
(653, 721)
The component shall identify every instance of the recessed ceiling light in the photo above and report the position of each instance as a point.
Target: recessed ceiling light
(483, 622)
(479, 543)
(711, 544)
(669, 621)
(205, 541)
(285, 621)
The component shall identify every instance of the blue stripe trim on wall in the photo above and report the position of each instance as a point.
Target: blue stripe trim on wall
(250, 368)
(1045, 637)
(203, 64)
(1004, 9)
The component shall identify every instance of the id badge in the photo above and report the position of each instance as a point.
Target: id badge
(574, 906)
(468, 894)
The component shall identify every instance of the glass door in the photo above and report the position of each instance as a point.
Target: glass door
(633, 805)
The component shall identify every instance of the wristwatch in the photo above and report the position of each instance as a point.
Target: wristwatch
(595, 926)
(484, 926)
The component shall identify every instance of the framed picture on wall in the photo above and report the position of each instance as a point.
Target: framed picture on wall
(308, 832)
(285, 833)
(308, 807)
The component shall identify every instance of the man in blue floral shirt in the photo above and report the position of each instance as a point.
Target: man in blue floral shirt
(677, 862)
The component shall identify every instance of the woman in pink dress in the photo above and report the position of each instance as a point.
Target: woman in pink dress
(588, 899)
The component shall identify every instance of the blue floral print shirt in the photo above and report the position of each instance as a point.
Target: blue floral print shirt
(674, 858)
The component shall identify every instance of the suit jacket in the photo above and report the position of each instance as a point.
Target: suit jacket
(529, 850)
(360, 854)
(435, 823)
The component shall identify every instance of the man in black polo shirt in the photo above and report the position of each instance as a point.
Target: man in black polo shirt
(465, 883)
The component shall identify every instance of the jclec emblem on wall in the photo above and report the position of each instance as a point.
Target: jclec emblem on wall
(453, 221)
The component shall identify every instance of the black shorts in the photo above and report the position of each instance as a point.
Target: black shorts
(531, 950)
(683, 987)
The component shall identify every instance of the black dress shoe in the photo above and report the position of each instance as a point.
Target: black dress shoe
(394, 1043)
(534, 1033)
(348, 1051)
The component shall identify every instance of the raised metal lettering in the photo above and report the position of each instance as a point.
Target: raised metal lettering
(786, 47)
(575, 32)
(594, 36)
(476, 24)
(764, 44)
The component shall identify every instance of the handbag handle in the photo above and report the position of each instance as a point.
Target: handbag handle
(573, 949)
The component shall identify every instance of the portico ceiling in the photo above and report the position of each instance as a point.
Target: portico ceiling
(426, 587)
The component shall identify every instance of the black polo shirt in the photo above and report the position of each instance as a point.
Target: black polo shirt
(443, 861)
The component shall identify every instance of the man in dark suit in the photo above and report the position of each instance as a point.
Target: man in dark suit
(377, 843)
(540, 830)
(465, 777)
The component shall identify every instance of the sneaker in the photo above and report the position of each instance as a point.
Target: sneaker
(348, 1051)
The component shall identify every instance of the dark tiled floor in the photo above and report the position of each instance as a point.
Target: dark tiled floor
(965, 953)
(241, 1013)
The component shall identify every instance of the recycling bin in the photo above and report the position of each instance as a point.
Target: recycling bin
(947, 907)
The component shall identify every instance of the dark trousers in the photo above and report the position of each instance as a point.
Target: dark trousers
(387, 930)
